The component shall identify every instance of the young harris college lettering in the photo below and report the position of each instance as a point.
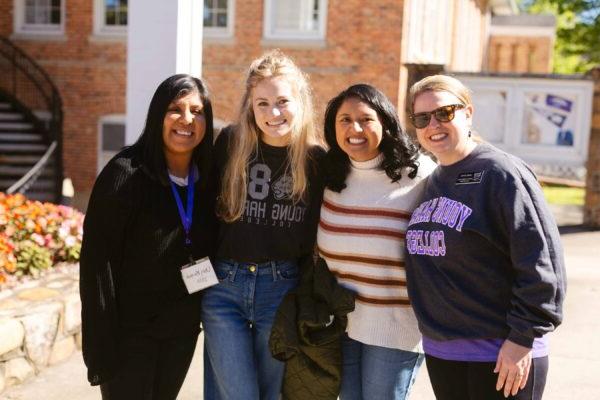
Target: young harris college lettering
(440, 210)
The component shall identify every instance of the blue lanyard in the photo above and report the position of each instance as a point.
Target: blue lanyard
(186, 215)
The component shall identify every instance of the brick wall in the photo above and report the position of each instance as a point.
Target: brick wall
(6, 21)
(591, 215)
(520, 54)
(90, 75)
(362, 45)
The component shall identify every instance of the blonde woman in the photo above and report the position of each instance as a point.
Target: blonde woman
(268, 208)
(485, 268)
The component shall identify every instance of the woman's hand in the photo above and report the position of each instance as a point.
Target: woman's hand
(512, 367)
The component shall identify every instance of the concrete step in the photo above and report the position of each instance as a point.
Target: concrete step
(11, 148)
(10, 116)
(40, 185)
(22, 159)
(41, 196)
(5, 106)
(20, 137)
(16, 126)
(20, 170)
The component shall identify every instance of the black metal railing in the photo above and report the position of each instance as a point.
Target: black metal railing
(25, 182)
(30, 88)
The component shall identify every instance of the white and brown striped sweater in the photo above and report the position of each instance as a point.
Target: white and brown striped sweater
(361, 236)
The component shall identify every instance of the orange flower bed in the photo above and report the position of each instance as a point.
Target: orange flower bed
(34, 235)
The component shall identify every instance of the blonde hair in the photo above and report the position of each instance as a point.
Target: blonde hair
(246, 135)
(438, 83)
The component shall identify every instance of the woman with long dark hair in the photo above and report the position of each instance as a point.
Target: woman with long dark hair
(150, 214)
(374, 176)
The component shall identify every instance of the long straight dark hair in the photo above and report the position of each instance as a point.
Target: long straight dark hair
(151, 143)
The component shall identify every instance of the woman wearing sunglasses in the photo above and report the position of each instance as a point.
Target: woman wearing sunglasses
(485, 267)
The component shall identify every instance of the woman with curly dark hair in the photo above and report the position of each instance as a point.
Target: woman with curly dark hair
(374, 178)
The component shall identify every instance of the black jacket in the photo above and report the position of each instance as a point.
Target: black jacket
(132, 251)
(307, 334)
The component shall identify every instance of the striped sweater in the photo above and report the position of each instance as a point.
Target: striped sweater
(361, 236)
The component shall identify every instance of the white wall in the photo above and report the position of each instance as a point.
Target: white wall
(164, 38)
(447, 32)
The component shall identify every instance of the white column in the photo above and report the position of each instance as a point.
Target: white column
(164, 38)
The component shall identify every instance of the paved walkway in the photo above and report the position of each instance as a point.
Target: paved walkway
(575, 347)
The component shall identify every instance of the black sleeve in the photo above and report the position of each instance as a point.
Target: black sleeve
(103, 235)
(537, 258)
(221, 148)
(316, 186)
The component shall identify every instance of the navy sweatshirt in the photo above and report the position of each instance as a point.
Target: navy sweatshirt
(484, 253)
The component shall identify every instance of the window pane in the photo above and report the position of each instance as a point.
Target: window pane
(42, 12)
(122, 17)
(30, 15)
(287, 14)
(55, 19)
(208, 18)
(113, 136)
(110, 16)
(215, 13)
(222, 20)
(123, 13)
(296, 15)
(42, 15)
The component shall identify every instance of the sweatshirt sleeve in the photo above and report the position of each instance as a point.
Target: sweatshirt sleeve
(536, 254)
(103, 236)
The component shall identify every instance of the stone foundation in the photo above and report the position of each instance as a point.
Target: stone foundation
(40, 324)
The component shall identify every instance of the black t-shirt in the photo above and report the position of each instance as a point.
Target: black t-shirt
(272, 227)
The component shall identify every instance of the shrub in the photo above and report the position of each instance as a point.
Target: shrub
(34, 235)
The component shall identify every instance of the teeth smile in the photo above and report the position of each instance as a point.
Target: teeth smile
(438, 136)
(356, 140)
(276, 123)
(183, 133)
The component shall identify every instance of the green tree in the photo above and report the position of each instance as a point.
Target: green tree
(577, 46)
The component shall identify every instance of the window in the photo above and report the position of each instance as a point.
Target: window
(218, 18)
(39, 16)
(112, 138)
(110, 17)
(295, 19)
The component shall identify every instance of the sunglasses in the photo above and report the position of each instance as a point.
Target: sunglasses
(442, 114)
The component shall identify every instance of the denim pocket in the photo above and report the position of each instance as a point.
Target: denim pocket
(287, 271)
(223, 270)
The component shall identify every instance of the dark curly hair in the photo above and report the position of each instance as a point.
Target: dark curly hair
(398, 150)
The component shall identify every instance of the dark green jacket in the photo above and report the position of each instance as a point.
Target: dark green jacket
(307, 334)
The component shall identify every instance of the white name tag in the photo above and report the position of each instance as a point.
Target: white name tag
(198, 275)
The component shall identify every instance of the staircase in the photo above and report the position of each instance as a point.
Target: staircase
(21, 147)
(30, 145)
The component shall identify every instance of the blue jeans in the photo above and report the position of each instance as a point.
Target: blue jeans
(377, 373)
(237, 315)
